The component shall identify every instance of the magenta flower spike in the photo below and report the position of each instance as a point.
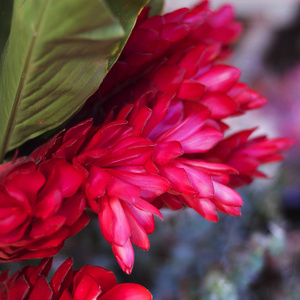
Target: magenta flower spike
(160, 144)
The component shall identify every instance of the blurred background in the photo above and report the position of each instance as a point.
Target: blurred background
(257, 256)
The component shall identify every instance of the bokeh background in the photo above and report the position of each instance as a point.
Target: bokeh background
(256, 256)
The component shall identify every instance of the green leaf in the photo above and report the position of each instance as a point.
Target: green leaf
(156, 7)
(127, 12)
(56, 56)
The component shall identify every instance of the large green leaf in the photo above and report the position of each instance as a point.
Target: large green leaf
(57, 55)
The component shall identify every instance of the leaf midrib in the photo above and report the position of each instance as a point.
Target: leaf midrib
(21, 84)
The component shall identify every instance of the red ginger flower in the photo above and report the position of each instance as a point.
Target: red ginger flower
(89, 283)
(119, 188)
(194, 183)
(193, 78)
(220, 27)
(118, 185)
(40, 207)
(178, 56)
(246, 155)
(164, 35)
(179, 101)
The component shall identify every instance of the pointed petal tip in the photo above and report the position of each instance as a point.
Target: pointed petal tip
(128, 270)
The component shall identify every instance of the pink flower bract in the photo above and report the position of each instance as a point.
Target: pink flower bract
(246, 155)
(89, 283)
(40, 207)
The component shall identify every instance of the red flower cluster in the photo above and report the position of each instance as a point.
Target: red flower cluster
(89, 283)
(40, 207)
(247, 155)
(117, 185)
(193, 182)
(162, 36)
(160, 144)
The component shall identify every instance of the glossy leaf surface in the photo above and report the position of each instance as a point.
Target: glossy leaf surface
(57, 55)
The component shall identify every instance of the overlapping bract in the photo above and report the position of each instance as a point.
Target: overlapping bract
(40, 207)
(246, 155)
(160, 143)
(119, 188)
(164, 35)
(117, 184)
(89, 283)
(193, 182)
